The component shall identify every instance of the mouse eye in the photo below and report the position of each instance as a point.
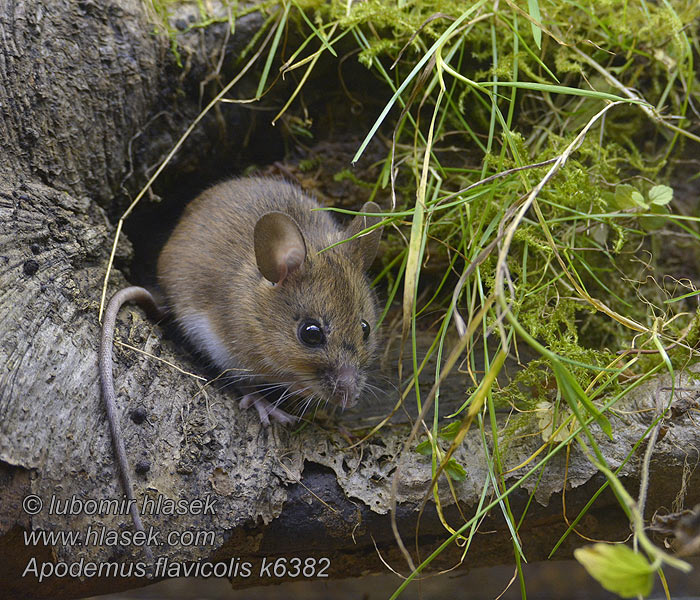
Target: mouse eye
(365, 329)
(311, 334)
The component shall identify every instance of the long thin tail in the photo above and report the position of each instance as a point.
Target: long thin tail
(144, 299)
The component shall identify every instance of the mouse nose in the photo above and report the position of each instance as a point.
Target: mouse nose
(346, 387)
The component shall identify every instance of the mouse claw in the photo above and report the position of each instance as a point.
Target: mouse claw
(266, 410)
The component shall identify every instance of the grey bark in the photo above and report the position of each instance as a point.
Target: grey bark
(81, 85)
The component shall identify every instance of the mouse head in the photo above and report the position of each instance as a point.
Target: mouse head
(320, 313)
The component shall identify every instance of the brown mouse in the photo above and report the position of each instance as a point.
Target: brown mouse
(247, 283)
(248, 278)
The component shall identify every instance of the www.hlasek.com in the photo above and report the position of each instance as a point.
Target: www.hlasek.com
(100, 535)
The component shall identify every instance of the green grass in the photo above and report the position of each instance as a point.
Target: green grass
(530, 142)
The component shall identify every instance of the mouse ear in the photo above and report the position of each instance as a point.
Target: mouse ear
(365, 247)
(280, 248)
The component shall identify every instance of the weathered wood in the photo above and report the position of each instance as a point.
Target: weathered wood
(78, 82)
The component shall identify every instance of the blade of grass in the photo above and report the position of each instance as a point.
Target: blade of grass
(426, 57)
(534, 10)
(281, 24)
(573, 393)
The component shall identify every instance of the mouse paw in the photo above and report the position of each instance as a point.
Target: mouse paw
(266, 410)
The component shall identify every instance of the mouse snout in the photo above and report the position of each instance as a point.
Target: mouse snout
(346, 385)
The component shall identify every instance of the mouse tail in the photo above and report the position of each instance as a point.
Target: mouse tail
(143, 298)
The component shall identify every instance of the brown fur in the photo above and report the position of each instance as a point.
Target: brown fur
(208, 267)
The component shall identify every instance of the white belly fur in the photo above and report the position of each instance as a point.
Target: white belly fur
(198, 330)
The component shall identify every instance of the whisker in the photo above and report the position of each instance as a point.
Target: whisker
(307, 403)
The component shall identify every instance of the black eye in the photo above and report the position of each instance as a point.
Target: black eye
(365, 329)
(311, 334)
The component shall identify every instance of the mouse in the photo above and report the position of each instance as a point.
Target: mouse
(257, 280)
(251, 279)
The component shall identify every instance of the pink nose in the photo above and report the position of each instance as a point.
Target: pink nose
(347, 390)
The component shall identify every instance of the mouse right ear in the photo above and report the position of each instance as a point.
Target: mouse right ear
(365, 247)
(279, 245)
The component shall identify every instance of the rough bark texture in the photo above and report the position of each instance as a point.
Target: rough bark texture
(83, 89)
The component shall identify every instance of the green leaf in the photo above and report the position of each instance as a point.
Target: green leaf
(660, 195)
(449, 432)
(455, 470)
(627, 196)
(617, 568)
(425, 448)
(599, 233)
(652, 223)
